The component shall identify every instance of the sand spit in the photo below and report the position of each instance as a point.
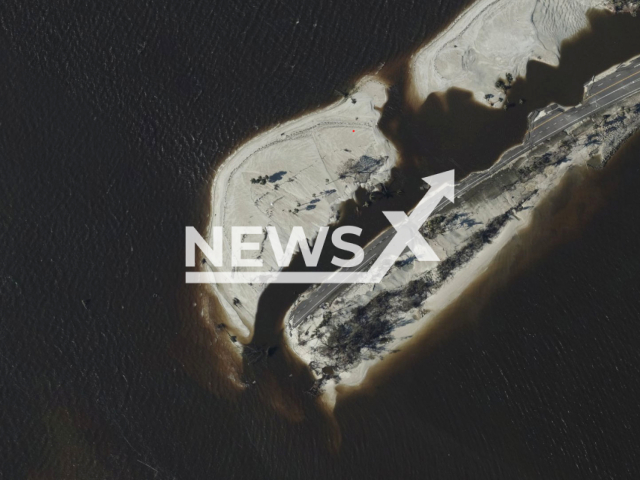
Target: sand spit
(493, 38)
(297, 174)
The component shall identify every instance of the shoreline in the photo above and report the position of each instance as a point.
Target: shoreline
(474, 51)
(279, 151)
(435, 304)
(370, 89)
(511, 199)
(299, 139)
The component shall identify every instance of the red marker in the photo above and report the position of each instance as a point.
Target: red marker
(353, 131)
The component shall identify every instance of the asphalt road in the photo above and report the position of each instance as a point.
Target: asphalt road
(621, 83)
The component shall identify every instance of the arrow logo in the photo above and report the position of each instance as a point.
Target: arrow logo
(408, 228)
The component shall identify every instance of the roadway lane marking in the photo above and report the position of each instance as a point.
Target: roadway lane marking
(599, 108)
(464, 190)
(363, 264)
(547, 121)
(613, 85)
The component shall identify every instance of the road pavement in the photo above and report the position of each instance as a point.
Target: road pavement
(599, 94)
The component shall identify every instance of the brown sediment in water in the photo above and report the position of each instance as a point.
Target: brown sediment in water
(204, 347)
(357, 414)
(561, 217)
(491, 375)
(450, 130)
(609, 40)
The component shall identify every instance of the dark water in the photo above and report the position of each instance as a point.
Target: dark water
(112, 117)
(452, 131)
(533, 373)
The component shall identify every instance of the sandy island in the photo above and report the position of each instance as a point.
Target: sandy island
(495, 37)
(298, 173)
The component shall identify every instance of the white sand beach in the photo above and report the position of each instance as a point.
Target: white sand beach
(303, 170)
(500, 196)
(493, 38)
(312, 165)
